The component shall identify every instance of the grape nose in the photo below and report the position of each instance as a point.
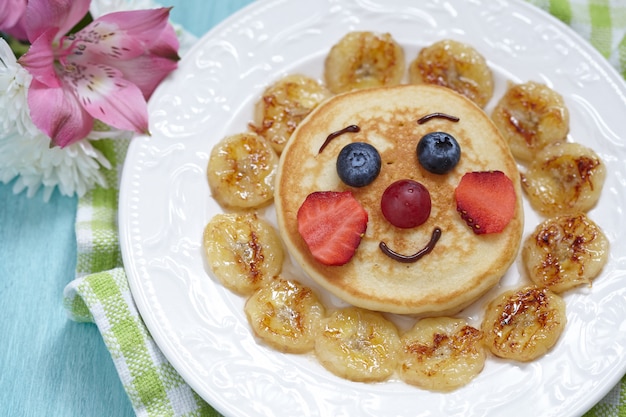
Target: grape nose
(406, 204)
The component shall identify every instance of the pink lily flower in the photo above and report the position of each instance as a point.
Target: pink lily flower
(12, 18)
(105, 71)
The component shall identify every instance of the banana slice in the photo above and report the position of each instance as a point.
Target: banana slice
(523, 324)
(241, 171)
(283, 105)
(364, 60)
(286, 315)
(455, 65)
(441, 354)
(565, 178)
(530, 116)
(359, 345)
(242, 250)
(565, 252)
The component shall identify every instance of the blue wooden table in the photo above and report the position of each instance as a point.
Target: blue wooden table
(51, 366)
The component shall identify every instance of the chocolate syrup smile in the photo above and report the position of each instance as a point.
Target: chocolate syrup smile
(416, 256)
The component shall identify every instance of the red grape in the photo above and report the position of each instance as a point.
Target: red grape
(406, 204)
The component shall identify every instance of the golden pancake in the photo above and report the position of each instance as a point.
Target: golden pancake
(462, 265)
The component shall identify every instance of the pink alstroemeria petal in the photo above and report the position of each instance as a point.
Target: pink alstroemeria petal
(11, 17)
(41, 15)
(18, 31)
(58, 114)
(104, 41)
(146, 72)
(166, 46)
(39, 59)
(125, 35)
(144, 25)
(12, 11)
(110, 98)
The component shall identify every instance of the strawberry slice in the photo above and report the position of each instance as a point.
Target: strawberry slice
(332, 224)
(486, 201)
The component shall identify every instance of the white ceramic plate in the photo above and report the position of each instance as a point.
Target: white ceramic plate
(165, 203)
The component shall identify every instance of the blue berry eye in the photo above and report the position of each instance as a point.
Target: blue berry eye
(438, 152)
(358, 164)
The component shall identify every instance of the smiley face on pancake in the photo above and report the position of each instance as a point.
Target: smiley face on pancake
(400, 199)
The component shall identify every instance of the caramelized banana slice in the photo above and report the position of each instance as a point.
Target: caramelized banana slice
(530, 116)
(364, 60)
(455, 65)
(441, 354)
(242, 250)
(283, 105)
(565, 252)
(359, 345)
(564, 178)
(524, 324)
(241, 171)
(286, 315)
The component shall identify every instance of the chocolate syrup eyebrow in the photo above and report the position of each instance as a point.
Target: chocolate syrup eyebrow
(347, 129)
(416, 256)
(426, 118)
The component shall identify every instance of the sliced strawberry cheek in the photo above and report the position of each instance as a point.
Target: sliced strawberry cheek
(486, 200)
(331, 224)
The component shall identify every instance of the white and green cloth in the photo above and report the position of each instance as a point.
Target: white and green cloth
(601, 22)
(100, 292)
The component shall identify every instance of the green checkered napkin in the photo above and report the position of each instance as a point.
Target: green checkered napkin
(601, 22)
(100, 292)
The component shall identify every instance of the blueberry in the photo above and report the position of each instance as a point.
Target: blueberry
(358, 164)
(438, 152)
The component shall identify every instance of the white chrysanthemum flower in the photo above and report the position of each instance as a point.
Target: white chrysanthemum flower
(14, 82)
(25, 151)
(72, 170)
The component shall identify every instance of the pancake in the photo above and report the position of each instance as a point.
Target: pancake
(462, 265)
